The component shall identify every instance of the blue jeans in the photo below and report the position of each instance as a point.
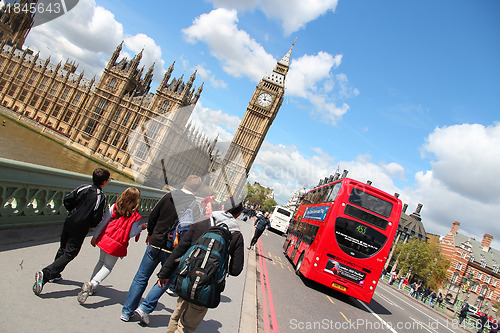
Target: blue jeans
(149, 262)
(149, 304)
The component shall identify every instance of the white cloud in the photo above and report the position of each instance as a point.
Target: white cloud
(215, 122)
(394, 169)
(310, 76)
(463, 184)
(151, 53)
(467, 160)
(238, 54)
(89, 34)
(308, 70)
(284, 169)
(293, 16)
(207, 74)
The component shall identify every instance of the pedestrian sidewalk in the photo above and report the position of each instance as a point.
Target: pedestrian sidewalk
(25, 251)
(470, 322)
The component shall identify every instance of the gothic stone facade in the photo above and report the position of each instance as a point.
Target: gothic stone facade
(98, 117)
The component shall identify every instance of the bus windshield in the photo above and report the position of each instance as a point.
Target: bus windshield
(372, 203)
(356, 239)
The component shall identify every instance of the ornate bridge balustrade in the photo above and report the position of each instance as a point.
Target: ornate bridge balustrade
(32, 195)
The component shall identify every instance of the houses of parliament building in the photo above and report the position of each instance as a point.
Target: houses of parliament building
(118, 121)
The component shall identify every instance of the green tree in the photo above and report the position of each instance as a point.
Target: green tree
(268, 204)
(258, 196)
(423, 261)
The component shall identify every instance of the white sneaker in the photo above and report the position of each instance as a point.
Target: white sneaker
(171, 292)
(143, 316)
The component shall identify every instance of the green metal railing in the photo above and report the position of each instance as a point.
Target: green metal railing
(32, 195)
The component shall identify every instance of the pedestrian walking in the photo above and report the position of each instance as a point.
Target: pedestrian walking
(463, 313)
(413, 287)
(401, 282)
(260, 225)
(432, 299)
(439, 300)
(187, 315)
(120, 223)
(161, 219)
(86, 205)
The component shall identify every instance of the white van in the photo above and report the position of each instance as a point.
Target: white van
(280, 218)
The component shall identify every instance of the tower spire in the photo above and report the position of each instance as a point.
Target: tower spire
(285, 61)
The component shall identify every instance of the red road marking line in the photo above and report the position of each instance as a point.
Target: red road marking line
(265, 315)
(269, 293)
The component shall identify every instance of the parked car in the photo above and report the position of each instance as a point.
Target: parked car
(474, 312)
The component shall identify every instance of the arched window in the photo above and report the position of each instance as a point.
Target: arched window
(112, 84)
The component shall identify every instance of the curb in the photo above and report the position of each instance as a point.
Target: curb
(248, 318)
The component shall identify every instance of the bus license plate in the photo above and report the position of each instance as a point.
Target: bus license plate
(338, 286)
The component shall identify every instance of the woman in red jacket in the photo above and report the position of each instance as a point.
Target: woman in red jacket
(111, 235)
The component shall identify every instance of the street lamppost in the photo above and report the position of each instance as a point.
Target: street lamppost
(466, 283)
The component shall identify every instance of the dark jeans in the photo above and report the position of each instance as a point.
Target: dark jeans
(256, 236)
(68, 250)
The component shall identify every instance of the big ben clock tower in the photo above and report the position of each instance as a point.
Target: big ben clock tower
(261, 111)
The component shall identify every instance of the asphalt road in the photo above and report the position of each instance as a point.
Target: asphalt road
(300, 305)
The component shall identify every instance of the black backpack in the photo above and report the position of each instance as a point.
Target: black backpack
(203, 268)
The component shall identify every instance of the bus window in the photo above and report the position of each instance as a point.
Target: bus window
(372, 203)
(310, 233)
(333, 193)
(365, 216)
(284, 212)
(356, 239)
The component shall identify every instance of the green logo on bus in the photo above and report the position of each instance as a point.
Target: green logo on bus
(361, 229)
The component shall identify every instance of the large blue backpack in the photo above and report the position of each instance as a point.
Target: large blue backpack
(202, 269)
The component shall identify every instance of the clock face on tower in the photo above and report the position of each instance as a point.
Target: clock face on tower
(265, 99)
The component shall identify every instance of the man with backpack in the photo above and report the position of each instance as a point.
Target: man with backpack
(165, 215)
(86, 205)
(210, 249)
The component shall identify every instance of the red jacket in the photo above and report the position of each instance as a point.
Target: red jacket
(114, 239)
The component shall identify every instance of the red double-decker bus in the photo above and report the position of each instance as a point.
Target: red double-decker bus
(341, 236)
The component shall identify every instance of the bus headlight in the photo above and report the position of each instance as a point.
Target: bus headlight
(317, 258)
(371, 287)
(315, 264)
(374, 282)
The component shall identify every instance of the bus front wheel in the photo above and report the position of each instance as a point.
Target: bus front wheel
(299, 264)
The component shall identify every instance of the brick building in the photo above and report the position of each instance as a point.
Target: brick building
(475, 261)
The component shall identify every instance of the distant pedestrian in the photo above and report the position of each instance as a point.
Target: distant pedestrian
(439, 300)
(121, 222)
(211, 206)
(392, 278)
(401, 282)
(432, 299)
(413, 287)
(86, 205)
(463, 313)
(418, 290)
(260, 225)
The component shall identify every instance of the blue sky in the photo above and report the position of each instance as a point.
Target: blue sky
(404, 93)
